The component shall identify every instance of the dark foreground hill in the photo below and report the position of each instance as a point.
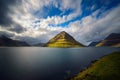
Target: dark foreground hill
(107, 68)
(7, 42)
(63, 40)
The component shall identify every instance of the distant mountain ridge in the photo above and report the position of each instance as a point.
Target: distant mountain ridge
(7, 42)
(112, 40)
(63, 39)
(39, 44)
(113, 36)
(93, 43)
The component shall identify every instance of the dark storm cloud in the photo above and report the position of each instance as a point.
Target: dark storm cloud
(17, 28)
(5, 19)
(7, 34)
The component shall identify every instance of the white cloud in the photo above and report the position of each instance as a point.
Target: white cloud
(23, 15)
(93, 29)
(88, 28)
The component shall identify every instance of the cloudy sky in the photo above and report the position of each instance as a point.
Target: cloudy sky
(37, 21)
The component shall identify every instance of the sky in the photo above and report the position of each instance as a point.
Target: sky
(37, 21)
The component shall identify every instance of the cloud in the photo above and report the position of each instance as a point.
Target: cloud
(6, 20)
(4, 10)
(93, 29)
(18, 19)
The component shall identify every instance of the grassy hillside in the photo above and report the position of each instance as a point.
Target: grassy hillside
(107, 68)
(63, 40)
(63, 43)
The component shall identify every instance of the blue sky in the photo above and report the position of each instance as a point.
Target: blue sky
(87, 8)
(37, 21)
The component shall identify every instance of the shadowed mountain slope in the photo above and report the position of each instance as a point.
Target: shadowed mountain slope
(112, 40)
(7, 42)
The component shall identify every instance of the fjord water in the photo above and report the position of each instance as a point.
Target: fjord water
(37, 63)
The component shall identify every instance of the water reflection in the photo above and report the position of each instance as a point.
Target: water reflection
(36, 63)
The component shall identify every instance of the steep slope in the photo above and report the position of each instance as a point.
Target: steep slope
(112, 40)
(5, 41)
(107, 68)
(63, 39)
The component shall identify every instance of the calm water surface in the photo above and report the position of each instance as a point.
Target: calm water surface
(35, 63)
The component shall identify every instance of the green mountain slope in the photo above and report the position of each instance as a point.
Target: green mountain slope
(107, 68)
(63, 40)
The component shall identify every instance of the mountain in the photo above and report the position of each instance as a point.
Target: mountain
(107, 68)
(39, 44)
(112, 40)
(93, 43)
(5, 41)
(113, 36)
(63, 40)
